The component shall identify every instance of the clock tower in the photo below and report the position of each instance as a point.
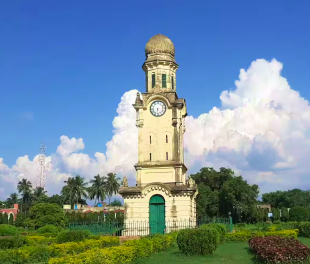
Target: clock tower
(162, 194)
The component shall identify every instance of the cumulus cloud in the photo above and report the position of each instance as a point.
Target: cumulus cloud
(261, 131)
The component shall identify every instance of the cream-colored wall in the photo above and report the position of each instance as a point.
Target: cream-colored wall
(157, 128)
(138, 209)
(159, 70)
(161, 174)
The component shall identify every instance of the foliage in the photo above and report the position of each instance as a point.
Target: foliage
(43, 214)
(48, 229)
(284, 214)
(58, 250)
(202, 241)
(39, 240)
(125, 253)
(275, 214)
(13, 199)
(279, 250)
(116, 203)
(11, 219)
(288, 199)
(20, 219)
(5, 218)
(298, 214)
(221, 229)
(75, 190)
(12, 242)
(221, 192)
(8, 230)
(112, 184)
(25, 188)
(98, 189)
(73, 236)
(246, 235)
(25, 255)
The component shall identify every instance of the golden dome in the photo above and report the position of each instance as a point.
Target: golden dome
(159, 44)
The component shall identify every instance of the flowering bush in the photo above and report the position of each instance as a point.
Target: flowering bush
(279, 250)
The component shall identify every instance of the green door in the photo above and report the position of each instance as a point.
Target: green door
(157, 214)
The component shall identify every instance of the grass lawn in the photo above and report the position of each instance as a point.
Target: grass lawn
(227, 253)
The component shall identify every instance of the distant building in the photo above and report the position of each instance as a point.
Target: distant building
(10, 211)
(265, 206)
(78, 208)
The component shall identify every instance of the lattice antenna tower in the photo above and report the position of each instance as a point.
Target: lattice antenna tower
(41, 167)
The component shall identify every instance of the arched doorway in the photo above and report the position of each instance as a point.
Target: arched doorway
(157, 215)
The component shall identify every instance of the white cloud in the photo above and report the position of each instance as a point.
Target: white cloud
(261, 132)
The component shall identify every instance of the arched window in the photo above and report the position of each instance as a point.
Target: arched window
(150, 139)
(150, 156)
(172, 83)
(164, 80)
(166, 138)
(166, 155)
(153, 80)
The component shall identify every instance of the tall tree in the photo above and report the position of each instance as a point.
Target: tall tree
(75, 190)
(98, 188)
(220, 192)
(112, 185)
(39, 193)
(25, 188)
(13, 199)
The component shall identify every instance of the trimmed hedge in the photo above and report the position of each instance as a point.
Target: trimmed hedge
(202, 241)
(246, 235)
(8, 230)
(41, 253)
(126, 253)
(73, 236)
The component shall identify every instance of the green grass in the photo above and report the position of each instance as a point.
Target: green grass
(227, 253)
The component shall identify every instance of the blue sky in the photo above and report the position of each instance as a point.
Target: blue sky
(64, 65)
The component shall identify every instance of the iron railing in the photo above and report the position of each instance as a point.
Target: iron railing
(142, 228)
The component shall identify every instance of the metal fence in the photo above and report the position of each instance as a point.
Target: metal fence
(143, 228)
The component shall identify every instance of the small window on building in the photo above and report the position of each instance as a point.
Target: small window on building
(166, 138)
(166, 155)
(172, 83)
(153, 80)
(150, 156)
(150, 139)
(164, 81)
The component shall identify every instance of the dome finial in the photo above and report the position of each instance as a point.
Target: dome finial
(159, 44)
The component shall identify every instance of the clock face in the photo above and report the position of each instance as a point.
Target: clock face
(158, 108)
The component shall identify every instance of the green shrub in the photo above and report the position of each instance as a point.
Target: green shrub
(12, 242)
(246, 235)
(8, 230)
(39, 240)
(276, 222)
(305, 229)
(299, 214)
(221, 229)
(73, 236)
(49, 229)
(202, 241)
(25, 255)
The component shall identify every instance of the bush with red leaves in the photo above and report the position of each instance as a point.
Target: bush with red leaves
(279, 250)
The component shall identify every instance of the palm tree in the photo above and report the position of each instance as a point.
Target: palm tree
(25, 187)
(13, 199)
(38, 193)
(112, 185)
(98, 188)
(75, 190)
